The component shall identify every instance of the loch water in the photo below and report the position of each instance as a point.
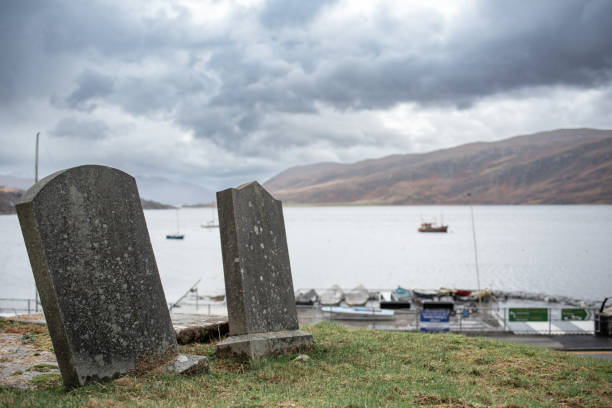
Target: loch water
(556, 250)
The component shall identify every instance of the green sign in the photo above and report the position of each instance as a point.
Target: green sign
(575, 314)
(528, 314)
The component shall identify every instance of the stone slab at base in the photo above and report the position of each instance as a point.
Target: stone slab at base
(250, 346)
(189, 364)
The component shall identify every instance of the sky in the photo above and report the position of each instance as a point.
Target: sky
(218, 93)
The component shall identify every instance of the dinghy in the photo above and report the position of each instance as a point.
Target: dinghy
(357, 296)
(388, 300)
(332, 296)
(306, 298)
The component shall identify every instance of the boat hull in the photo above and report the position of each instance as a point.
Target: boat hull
(395, 305)
(358, 313)
(434, 229)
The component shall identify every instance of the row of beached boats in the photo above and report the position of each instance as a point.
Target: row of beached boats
(351, 305)
(397, 298)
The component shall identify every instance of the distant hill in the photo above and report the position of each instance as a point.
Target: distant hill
(567, 166)
(154, 205)
(167, 191)
(20, 183)
(157, 189)
(8, 197)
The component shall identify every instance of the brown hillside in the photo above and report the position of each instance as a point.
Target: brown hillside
(563, 166)
(8, 198)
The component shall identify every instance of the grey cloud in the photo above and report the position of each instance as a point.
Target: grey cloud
(90, 86)
(80, 129)
(262, 78)
(279, 13)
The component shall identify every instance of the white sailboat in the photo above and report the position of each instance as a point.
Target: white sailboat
(212, 223)
(178, 234)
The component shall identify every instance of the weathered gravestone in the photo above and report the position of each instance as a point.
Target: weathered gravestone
(258, 286)
(97, 277)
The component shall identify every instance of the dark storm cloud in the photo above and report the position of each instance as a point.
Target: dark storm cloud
(263, 80)
(502, 47)
(499, 47)
(90, 86)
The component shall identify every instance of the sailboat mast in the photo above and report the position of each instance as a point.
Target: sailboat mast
(475, 248)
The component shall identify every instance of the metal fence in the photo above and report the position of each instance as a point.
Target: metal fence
(19, 306)
(463, 318)
(535, 321)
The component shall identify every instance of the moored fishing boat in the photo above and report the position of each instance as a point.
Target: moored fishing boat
(431, 227)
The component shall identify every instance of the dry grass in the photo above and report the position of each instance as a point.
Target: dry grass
(361, 368)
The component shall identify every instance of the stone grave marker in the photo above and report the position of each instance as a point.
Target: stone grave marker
(258, 285)
(94, 268)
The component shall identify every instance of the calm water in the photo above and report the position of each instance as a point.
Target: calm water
(562, 250)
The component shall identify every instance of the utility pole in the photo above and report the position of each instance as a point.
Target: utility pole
(36, 160)
(36, 181)
(475, 249)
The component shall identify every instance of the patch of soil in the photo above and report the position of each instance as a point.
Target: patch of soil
(21, 361)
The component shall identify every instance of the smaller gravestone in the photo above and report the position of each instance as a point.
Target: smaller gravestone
(94, 268)
(258, 285)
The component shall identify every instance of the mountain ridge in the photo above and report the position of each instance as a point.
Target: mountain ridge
(569, 166)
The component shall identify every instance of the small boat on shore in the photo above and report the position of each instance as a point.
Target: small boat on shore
(306, 298)
(357, 296)
(484, 295)
(332, 296)
(424, 293)
(388, 300)
(431, 227)
(358, 313)
(462, 292)
(403, 294)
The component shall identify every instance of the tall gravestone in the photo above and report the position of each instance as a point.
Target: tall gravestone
(94, 268)
(258, 285)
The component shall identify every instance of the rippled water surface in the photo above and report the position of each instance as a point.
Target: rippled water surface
(562, 250)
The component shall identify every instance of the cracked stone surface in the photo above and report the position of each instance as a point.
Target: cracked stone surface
(189, 364)
(251, 346)
(258, 283)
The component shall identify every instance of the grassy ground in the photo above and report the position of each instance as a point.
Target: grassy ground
(359, 368)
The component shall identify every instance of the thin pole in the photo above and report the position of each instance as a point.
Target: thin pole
(36, 181)
(475, 249)
(36, 159)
